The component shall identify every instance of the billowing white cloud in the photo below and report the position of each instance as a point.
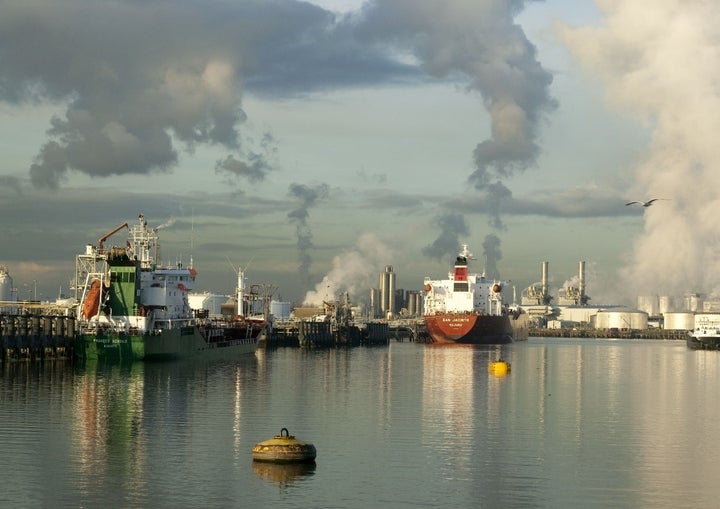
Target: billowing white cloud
(662, 63)
(354, 271)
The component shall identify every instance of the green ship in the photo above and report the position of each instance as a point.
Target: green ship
(132, 308)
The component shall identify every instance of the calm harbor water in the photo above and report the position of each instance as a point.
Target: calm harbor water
(576, 423)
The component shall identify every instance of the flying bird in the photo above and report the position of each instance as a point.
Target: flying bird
(644, 203)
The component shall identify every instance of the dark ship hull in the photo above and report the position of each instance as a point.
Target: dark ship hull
(476, 329)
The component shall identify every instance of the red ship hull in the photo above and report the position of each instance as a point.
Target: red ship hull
(475, 329)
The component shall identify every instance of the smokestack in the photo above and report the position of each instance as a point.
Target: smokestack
(544, 279)
(581, 284)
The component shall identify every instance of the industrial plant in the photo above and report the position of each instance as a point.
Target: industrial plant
(566, 311)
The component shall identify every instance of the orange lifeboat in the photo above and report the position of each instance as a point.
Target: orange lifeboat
(92, 300)
(497, 288)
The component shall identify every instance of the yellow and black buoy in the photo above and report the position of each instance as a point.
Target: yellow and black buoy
(499, 367)
(284, 448)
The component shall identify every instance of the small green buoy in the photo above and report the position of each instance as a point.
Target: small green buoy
(284, 448)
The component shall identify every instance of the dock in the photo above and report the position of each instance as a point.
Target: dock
(36, 337)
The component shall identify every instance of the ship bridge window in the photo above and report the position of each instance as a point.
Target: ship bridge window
(122, 277)
(460, 286)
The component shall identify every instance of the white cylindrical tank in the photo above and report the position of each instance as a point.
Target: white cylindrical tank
(411, 304)
(649, 304)
(679, 321)
(383, 291)
(280, 310)
(665, 304)
(621, 319)
(212, 302)
(374, 310)
(391, 293)
(693, 302)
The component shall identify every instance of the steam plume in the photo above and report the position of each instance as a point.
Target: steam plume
(492, 254)
(353, 271)
(451, 226)
(307, 197)
(481, 42)
(664, 67)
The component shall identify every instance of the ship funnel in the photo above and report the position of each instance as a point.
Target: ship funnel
(581, 278)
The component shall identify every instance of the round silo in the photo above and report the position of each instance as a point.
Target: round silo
(649, 304)
(391, 292)
(621, 319)
(280, 310)
(383, 290)
(665, 304)
(411, 304)
(679, 321)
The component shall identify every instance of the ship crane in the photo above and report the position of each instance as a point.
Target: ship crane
(102, 239)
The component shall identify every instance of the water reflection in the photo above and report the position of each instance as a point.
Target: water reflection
(576, 423)
(140, 428)
(284, 475)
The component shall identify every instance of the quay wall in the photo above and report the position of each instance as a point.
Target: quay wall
(36, 337)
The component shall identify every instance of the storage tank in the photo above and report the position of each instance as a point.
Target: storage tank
(693, 302)
(280, 310)
(374, 310)
(678, 321)
(665, 304)
(212, 302)
(649, 304)
(387, 292)
(411, 304)
(621, 319)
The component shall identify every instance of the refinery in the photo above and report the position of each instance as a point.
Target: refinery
(33, 328)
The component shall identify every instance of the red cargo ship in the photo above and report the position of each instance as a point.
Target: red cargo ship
(467, 308)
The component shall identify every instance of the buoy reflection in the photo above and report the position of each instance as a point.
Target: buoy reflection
(283, 473)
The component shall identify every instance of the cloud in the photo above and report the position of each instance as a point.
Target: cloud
(479, 43)
(451, 227)
(256, 166)
(11, 183)
(661, 65)
(141, 79)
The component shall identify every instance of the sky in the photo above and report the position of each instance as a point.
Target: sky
(313, 143)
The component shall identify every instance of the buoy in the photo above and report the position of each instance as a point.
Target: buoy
(499, 368)
(284, 448)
